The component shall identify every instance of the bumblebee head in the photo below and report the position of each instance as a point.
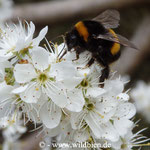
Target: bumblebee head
(71, 40)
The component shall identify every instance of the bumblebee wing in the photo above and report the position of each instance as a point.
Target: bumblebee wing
(119, 39)
(125, 42)
(109, 18)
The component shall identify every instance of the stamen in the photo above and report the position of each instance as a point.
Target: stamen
(64, 112)
(36, 128)
(80, 124)
(99, 114)
(137, 145)
(50, 49)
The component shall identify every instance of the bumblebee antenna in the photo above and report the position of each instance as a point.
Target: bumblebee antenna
(60, 57)
(63, 54)
(63, 46)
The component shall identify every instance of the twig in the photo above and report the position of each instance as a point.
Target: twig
(58, 11)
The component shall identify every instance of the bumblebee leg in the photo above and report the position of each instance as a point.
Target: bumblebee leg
(105, 71)
(91, 61)
(78, 50)
(77, 56)
(105, 75)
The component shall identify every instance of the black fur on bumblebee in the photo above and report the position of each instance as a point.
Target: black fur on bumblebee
(97, 37)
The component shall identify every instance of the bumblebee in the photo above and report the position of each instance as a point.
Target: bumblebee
(97, 37)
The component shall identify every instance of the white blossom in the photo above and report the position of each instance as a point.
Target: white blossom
(17, 40)
(52, 79)
(62, 97)
(105, 113)
(130, 140)
(12, 128)
(10, 102)
(141, 96)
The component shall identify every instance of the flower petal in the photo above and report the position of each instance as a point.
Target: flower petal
(76, 118)
(20, 89)
(63, 70)
(94, 125)
(71, 83)
(126, 110)
(53, 132)
(110, 133)
(24, 73)
(75, 100)
(95, 91)
(123, 96)
(114, 86)
(56, 95)
(6, 98)
(50, 115)
(4, 109)
(122, 125)
(31, 94)
(81, 136)
(40, 58)
(40, 37)
(5, 91)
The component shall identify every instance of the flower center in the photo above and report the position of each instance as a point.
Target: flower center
(90, 106)
(25, 51)
(123, 146)
(9, 76)
(84, 83)
(42, 77)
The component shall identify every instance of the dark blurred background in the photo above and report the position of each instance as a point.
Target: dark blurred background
(61, 15)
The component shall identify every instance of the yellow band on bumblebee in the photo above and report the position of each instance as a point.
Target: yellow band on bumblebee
(82, 30)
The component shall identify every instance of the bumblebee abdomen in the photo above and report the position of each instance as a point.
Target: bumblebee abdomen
(115, 46)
